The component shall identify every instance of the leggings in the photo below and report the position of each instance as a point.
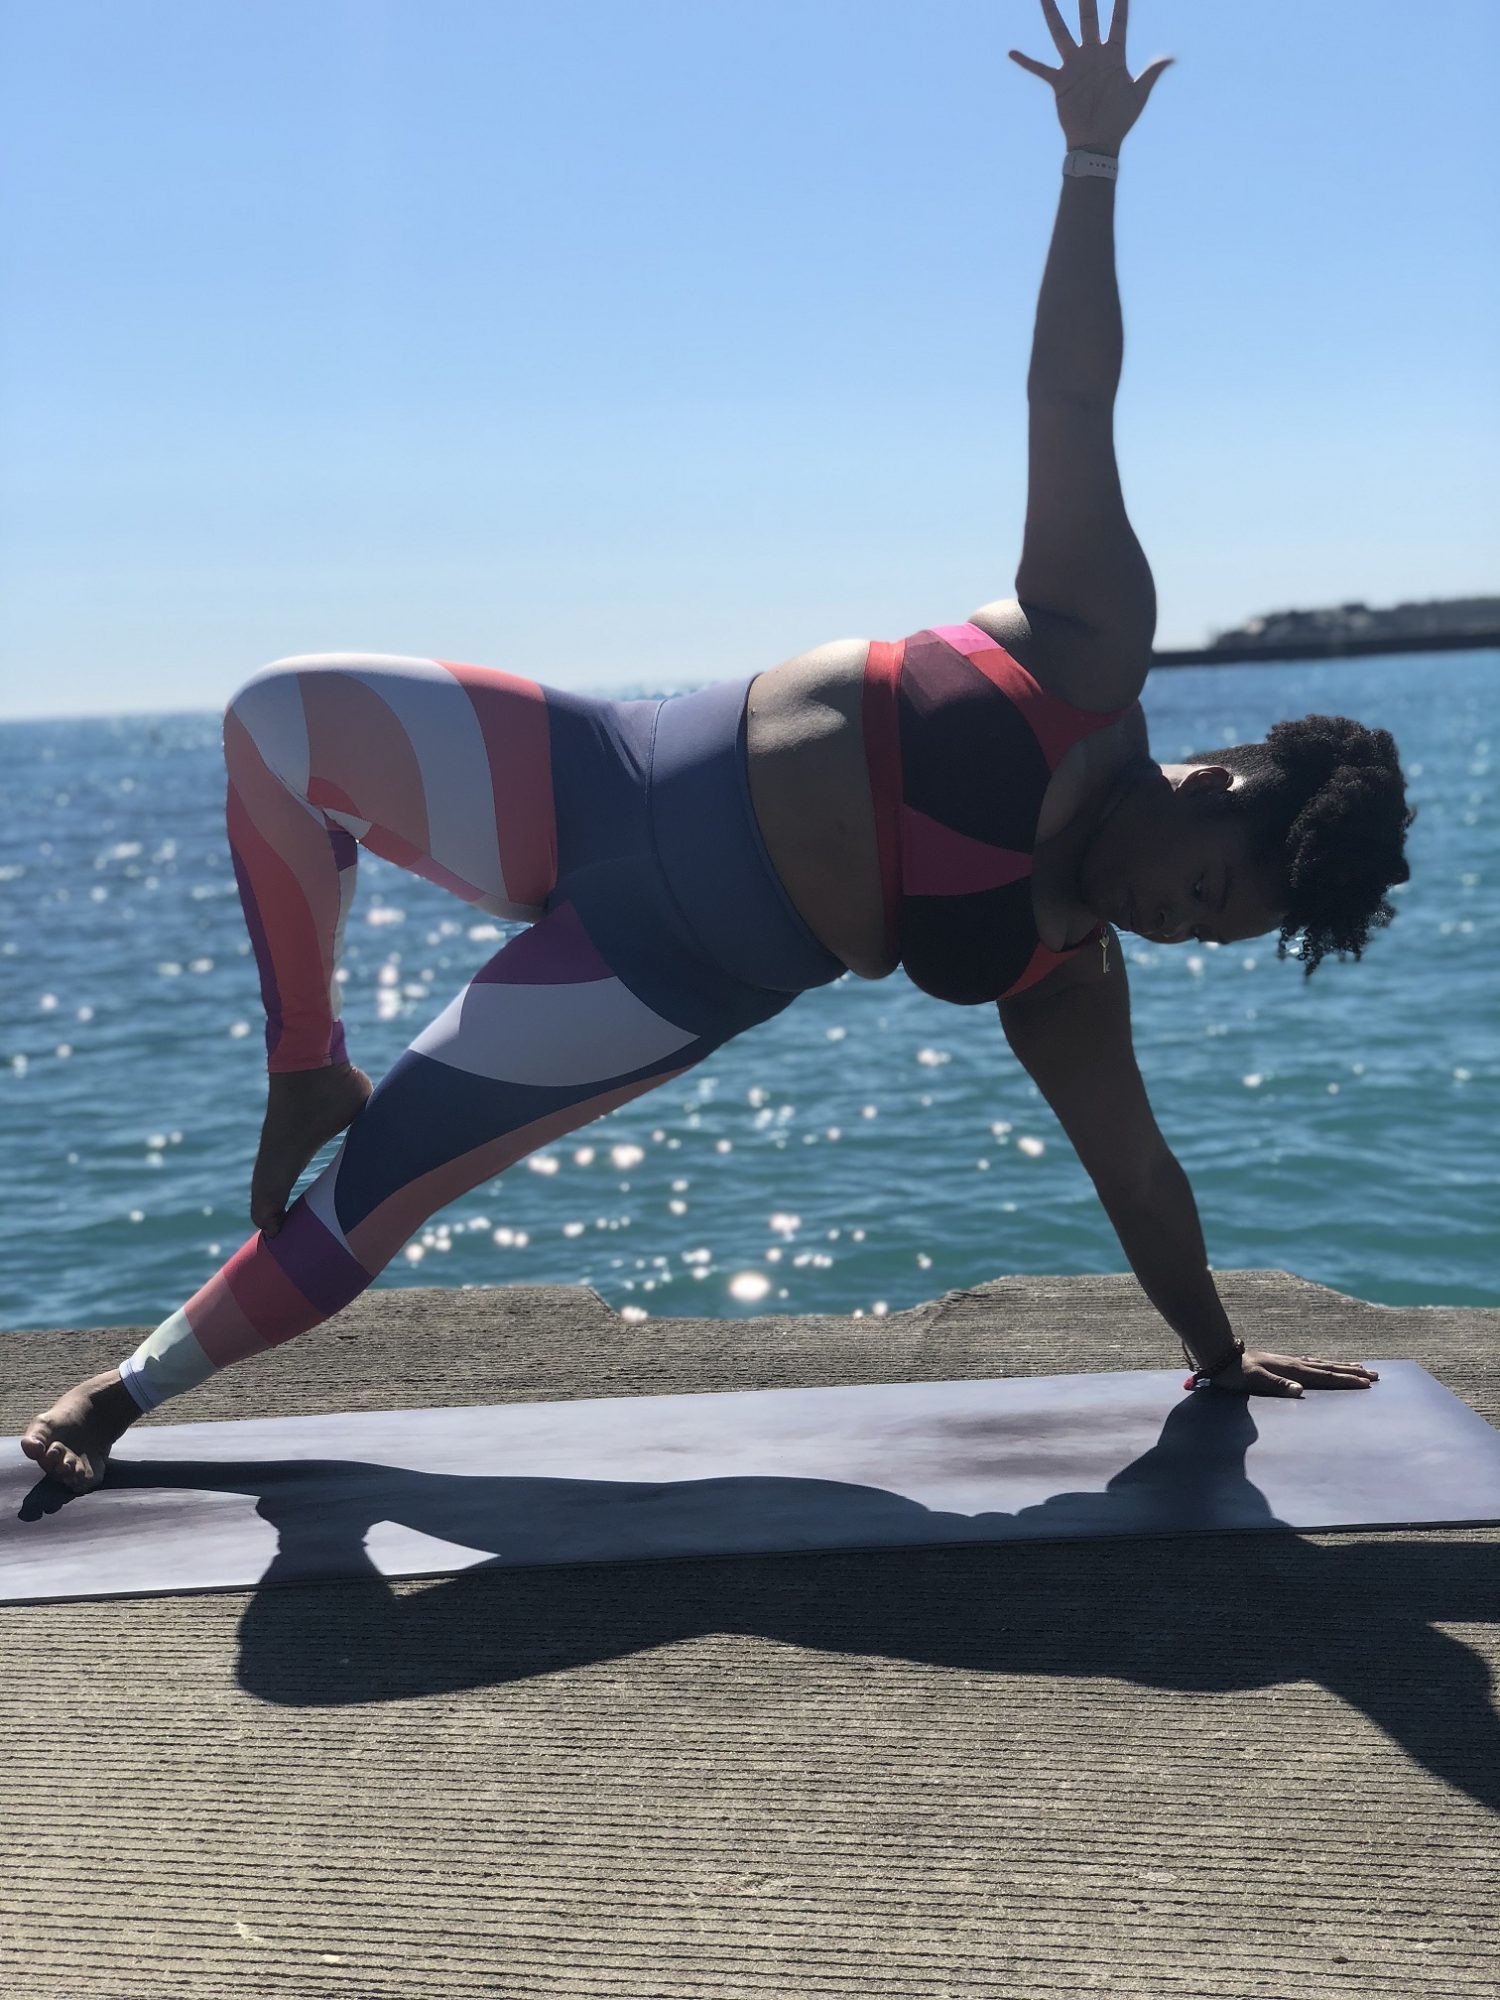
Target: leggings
(621, 833)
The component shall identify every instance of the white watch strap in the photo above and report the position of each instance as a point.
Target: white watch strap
(1080, 161)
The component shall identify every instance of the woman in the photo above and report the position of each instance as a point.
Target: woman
(977, 802)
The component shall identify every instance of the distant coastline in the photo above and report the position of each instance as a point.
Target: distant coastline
(1347, 631)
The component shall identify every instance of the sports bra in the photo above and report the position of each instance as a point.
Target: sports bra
(961, 742)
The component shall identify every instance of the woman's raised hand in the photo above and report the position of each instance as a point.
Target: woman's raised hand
(1097, 99)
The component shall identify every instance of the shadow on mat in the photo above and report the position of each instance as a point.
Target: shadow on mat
(1187, 1611)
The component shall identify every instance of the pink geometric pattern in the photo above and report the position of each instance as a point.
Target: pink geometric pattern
(938, 860)
(932, 874)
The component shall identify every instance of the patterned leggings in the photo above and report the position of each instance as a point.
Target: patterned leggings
(621, 832)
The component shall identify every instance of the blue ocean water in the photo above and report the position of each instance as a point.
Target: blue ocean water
(868, 1149)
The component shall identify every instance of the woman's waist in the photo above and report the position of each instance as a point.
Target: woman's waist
(712, 851)
(810, 786)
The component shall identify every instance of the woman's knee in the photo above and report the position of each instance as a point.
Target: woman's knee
(281, 680)
(266, 718)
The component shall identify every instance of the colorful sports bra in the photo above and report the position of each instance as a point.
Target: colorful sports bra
(961, 743)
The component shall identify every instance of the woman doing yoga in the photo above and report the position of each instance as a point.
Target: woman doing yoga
(977, 803)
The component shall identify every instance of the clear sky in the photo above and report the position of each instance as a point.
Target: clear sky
(645, 344)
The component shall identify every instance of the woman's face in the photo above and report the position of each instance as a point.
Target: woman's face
(1166, 866)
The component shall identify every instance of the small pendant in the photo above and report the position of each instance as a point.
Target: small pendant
(1104, 946)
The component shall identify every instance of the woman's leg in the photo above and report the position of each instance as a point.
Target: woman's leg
(443, 769)
(611, 992)
(544, 1038)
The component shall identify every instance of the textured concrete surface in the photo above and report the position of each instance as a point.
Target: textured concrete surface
(1225, 1766)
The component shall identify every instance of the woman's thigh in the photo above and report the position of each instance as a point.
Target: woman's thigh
(442, 768)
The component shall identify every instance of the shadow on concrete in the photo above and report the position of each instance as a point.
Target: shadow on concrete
(1191, 1611)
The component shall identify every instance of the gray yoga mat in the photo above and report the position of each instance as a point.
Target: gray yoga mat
(891, 1465)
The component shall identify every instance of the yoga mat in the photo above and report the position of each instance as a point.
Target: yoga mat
(749, 1472)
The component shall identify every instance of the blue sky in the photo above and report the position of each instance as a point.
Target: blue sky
(640, 345)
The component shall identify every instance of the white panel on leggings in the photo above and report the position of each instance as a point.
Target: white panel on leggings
(434, 709)
(270, 707)
(358, 827)
(171, 1359)
(591, 1031)
(320, 1196)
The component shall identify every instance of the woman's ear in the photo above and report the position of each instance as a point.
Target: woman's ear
(1207, 778)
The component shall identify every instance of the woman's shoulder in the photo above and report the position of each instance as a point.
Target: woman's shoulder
(1068, 660)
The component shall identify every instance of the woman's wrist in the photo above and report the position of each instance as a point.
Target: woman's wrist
(1083, 163)
(1218, 1360)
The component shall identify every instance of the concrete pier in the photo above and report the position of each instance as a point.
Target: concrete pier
(1227, 1766)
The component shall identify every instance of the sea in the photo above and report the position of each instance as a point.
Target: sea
(868, 1149)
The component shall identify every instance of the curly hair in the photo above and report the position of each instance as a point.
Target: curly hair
(1325, 801)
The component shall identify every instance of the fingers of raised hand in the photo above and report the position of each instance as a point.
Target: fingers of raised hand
(1152, 74)
(1058, 29)
(1088, 24)
(1071, 51)
(1036, 68)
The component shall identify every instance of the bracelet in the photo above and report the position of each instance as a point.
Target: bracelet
(1201, 1375)
(1081, 161)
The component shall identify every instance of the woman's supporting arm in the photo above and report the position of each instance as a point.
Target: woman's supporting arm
(1075, 1043)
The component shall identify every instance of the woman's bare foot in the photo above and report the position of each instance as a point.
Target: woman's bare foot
(304, 1109)
(72, 1440)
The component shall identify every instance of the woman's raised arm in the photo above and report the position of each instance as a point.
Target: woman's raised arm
(1080, 561)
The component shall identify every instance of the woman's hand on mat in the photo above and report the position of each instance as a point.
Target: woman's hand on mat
(1097, 99)
(1259, 1374)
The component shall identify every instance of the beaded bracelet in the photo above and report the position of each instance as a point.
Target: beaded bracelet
(1201, 1375)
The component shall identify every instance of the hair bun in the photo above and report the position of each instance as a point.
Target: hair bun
(1312, 750)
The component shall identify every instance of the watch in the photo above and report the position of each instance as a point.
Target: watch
(1105, 166)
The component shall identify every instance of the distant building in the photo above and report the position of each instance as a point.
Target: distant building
(1441, 625)
(1437, 618)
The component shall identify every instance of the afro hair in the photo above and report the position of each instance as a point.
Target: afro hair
(1325, 800)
